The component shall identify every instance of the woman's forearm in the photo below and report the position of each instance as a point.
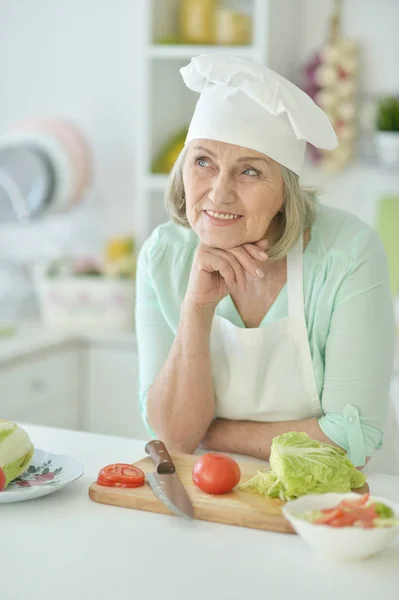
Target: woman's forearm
(180, 402)
(255, 439)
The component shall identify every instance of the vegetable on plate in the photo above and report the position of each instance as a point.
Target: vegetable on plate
(121, 475)
(216, 473)
(300, 465)
(358, 512)
(16, 451)
(2, 480)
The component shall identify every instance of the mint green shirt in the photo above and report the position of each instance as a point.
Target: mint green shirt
(348, 311)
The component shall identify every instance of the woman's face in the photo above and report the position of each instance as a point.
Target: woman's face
(232, 194)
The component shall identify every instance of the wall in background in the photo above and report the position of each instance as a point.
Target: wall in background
(77, 58)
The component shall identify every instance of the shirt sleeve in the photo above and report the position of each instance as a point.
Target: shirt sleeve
(359, 353)
(153, 334)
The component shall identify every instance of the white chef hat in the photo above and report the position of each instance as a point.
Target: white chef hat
(247, 104)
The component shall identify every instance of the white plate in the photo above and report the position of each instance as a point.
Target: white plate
(46, 474)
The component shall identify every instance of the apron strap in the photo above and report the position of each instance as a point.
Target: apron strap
(296, 306)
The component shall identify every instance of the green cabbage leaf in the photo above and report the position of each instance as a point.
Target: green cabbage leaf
(16, 450)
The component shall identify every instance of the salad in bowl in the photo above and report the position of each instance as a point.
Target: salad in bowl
(344, 526)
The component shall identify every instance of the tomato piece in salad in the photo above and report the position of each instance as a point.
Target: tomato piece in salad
(361, 501)
(363, 512)
(345, 519)
(359, 512)
(121, 475)
(328, 515)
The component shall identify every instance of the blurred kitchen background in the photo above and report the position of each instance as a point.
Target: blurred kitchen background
(93, 113)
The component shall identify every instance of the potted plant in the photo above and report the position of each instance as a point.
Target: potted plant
(387, 134)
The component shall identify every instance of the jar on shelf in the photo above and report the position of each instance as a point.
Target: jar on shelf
(233, 24)
(197, 21)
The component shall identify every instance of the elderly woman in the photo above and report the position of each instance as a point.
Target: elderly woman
(260, 311)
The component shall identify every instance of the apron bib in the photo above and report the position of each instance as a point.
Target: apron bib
(266, 373)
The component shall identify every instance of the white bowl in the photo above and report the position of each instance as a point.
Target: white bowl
(344, 543)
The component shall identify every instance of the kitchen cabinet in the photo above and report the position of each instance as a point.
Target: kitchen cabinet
(72, 381)
(111, 391)
(43, 389)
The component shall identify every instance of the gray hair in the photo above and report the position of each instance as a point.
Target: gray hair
(297, 216)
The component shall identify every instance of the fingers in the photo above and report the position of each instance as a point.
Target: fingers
(235, 265)
(262, 244)
(257, 251)
(226, 271)
(248, 257)
(232, 264)
(227, 266)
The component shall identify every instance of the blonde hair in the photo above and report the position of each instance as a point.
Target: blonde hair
(297, 216)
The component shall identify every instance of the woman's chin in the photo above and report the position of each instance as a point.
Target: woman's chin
(220, 239)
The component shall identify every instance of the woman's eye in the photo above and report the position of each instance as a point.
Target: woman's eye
(251, 172)
(202, 162)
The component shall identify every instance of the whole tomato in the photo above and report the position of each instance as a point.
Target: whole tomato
(216, 473)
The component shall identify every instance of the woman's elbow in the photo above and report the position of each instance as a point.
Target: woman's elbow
(175, 438)
(179, 433)
(179, 446)
(174, 441)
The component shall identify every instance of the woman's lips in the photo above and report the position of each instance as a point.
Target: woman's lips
(221, 219)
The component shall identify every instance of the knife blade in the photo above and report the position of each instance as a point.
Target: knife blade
(165, 483)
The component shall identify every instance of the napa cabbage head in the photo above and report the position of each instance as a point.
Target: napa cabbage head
(300, 465)
(305, 466)
(16, 450)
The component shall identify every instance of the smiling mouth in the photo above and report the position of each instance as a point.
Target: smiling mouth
(222, 216)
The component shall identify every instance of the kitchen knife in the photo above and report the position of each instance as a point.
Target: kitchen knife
(165, 483)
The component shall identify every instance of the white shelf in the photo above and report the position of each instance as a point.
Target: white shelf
(164, 105)
(176, 51)
(157, 182)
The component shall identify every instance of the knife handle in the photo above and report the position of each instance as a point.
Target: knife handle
(157, 450)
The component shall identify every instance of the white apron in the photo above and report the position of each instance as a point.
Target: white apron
(266, 373)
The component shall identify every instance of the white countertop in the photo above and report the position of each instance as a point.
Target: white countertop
(33, 337)
(65, 546)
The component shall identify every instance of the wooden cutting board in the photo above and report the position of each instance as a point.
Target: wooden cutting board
(240, 507)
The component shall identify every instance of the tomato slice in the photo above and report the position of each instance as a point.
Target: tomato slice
(2, 480)
(334, 513)
(361, 501)
(121, 475)
(346, 519)
(364, 514)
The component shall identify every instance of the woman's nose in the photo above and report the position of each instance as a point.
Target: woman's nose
(221, 191)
